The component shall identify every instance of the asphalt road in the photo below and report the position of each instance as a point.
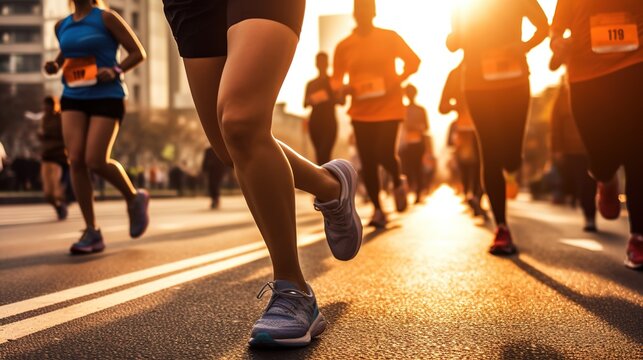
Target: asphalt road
(425, 288)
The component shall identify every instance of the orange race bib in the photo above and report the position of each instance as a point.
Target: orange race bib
(369, 88)
(319, 97)
(412, 137)
(501, 65)
(80, 72)
(614, 33)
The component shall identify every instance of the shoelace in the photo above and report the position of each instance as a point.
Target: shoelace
(339, 218)
(290, 297)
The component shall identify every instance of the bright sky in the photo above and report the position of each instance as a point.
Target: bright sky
(424, 24)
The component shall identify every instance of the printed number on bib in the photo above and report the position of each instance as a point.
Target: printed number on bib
(319, 97)
(614, 33)
(80, 72)
(501, 65)
(369, 88)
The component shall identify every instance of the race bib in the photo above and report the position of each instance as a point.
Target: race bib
(319, 97)
(614, 33)
(369, 88)
(501, 65)
(412, 137)
(80, 72)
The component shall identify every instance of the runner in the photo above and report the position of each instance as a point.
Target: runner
(604, 60)
(214, 170)
(54, 159)
(413, 142)
(463, 140)
(496, 85)
(93, 109)
(570, 154)
(323, 122)
(239, 53)
(368, 56)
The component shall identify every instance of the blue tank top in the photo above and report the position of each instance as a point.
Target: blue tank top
(89, 37)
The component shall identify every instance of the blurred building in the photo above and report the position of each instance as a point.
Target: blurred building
(157, 90)
(332, 30)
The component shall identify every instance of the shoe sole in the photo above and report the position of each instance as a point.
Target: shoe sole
(503, 250)
(340, 166)
(147, 219)
(630, 265)
(75, 251)
(264, 340)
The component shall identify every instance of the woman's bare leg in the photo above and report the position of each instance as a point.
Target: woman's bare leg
(204, 76)
(247, 91)
(259, 56)
(52, 189)
(101, 136)
(75, 125)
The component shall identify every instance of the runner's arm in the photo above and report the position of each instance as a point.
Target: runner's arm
(307, 96)
(410, 58)
(52, 67)
(425, 120)
(559, 45)
(126, 37)
(337, 79)
(537, 16)
(447, 95)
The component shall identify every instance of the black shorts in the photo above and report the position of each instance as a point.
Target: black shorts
(111, 108)
(200, 27)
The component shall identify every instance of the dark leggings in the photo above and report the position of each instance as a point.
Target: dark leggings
(376, 143)
(323, 132)
(609, 113)
(412, 155)
(470, 174)
(215, 175)
(580, 184)
(500, 117)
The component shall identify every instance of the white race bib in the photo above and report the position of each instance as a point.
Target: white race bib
(369, 88)
(614, 33)
(501, 65)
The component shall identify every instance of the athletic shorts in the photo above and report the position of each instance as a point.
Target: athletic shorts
(200, 27)
(111, 108)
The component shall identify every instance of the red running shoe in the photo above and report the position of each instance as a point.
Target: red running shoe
(608, 203)
(502, 243)
(634, 258)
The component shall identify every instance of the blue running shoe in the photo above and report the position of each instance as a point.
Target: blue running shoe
(90, 242)
(342, 224)
(291, 318)
(139, 217)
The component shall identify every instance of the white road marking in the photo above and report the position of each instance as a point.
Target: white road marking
(587, 244)
(103, 285)
(45, 321)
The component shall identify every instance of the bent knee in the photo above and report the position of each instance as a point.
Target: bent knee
(242, 129)
(95, 163)
(77, 161)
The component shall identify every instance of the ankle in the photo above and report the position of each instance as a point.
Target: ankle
(299, 282)
(332, 187)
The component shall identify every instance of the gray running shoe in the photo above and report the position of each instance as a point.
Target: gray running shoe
(139, 217)
(90, 242)
(291, 318)
(342, 224)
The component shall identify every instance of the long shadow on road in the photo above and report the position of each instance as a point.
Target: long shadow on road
(545, 248)
(206, 318)
(63, 258)
(621, 314)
